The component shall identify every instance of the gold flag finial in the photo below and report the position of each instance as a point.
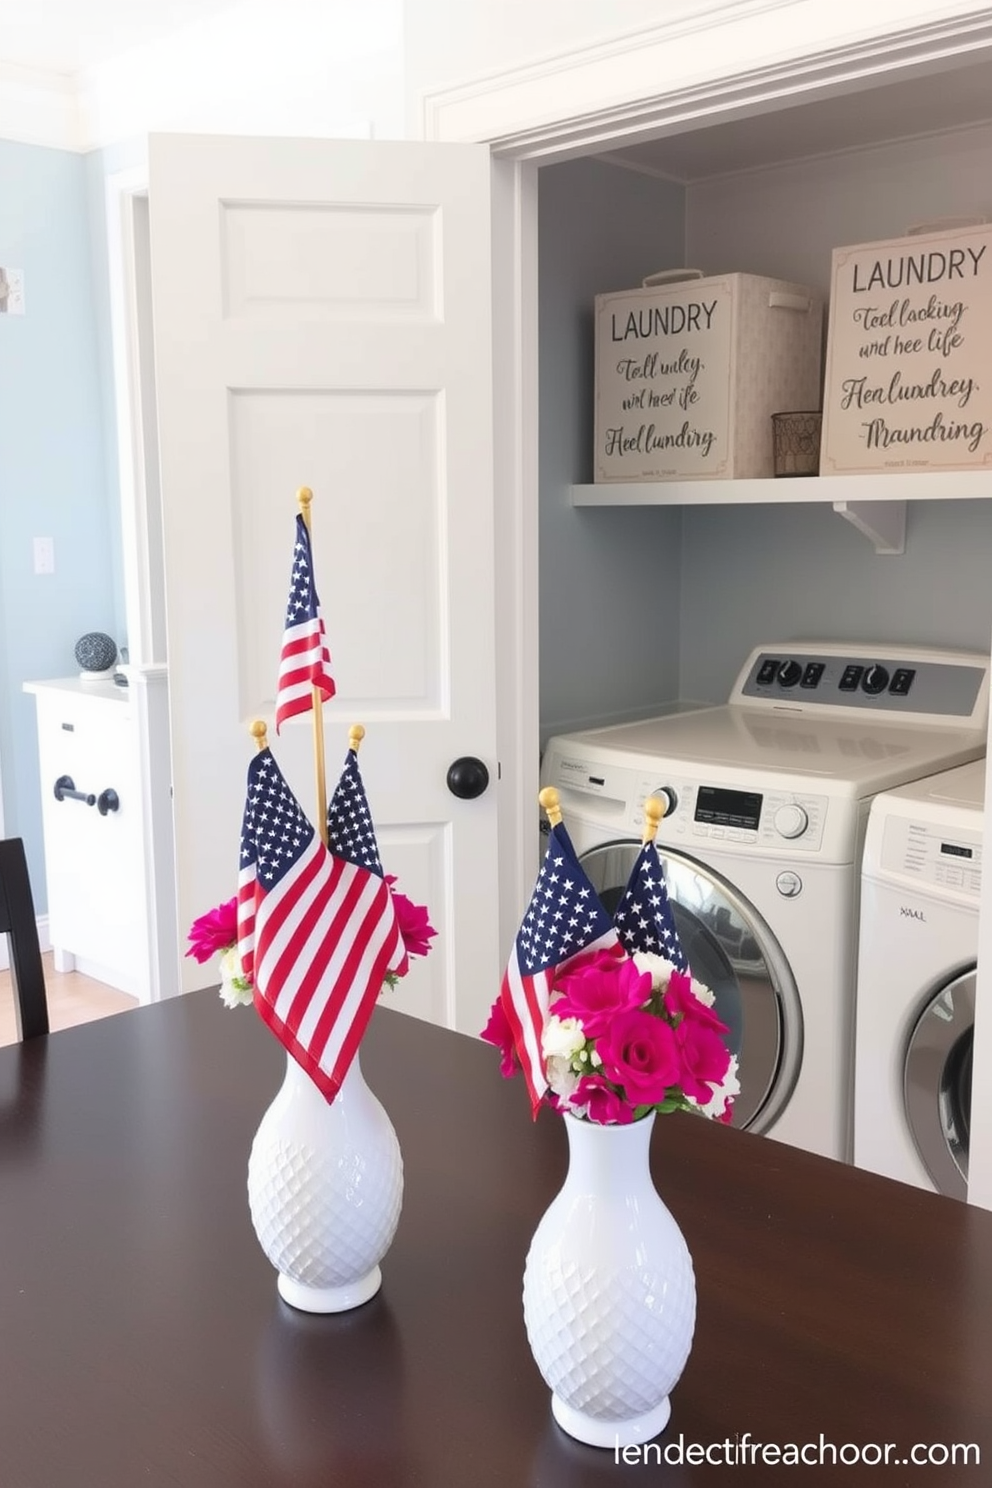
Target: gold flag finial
(304, 496)
(258, 732)
(548, 798)
(654, 810)
(355, 736)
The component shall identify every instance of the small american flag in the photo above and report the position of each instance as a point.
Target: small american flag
(644, 918)
(317, 934)
(350, 833)
(563, 920)
(305, 662)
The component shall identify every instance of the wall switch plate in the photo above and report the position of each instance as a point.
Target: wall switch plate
(44, 555)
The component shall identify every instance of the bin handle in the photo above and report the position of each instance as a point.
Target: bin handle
(779, 300)
(670, 276)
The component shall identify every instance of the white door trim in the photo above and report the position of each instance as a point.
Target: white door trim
(515, 440)
(122, 189)
(726, 60)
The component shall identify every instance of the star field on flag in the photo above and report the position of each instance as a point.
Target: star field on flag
(644, 918)
(350, 833)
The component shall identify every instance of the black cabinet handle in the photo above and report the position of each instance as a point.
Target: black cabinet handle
(65, 790)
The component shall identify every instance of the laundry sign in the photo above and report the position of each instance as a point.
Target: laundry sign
(909, 355)
(690, 369)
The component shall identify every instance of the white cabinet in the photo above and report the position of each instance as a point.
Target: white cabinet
(103, 753)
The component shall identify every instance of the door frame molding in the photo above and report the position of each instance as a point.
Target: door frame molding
(758, 55)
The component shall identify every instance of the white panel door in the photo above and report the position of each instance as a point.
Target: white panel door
(322, 318)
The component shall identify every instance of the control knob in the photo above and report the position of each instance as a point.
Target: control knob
(791, 821)
(666, 795)
(789, 673)
(875, 679)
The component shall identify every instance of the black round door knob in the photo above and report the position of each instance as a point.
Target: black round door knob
(467, 777)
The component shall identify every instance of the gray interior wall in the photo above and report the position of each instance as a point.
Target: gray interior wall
(754, 574)
(609, 579)
(751, 573)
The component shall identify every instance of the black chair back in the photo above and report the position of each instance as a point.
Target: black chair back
(17, 918)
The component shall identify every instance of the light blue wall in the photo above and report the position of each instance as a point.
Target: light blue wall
(609, 578)
(53, 477)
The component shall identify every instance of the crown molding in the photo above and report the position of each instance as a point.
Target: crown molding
(722, 62)
(39, 108)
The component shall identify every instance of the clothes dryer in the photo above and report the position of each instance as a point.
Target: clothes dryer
(766, 801)
(921, 882)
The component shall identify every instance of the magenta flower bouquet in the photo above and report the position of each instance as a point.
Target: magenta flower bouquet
(625, 1036)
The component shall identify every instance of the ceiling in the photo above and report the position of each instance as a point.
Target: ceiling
(66, 35)
(924, 104)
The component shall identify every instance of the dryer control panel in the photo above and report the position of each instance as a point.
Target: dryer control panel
(910, 684)
(930, 854)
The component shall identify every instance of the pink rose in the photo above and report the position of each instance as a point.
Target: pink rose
(415, 926)
(639, 1052)
(704, 1059)
(597, 992)
(602, 1103)
(498, 1031)
(214, 931)
(680, 998)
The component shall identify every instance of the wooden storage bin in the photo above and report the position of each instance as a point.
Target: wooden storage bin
(909, 355)
(689, 373)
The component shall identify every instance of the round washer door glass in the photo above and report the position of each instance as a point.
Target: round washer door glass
(937, 1083)
(730, 948)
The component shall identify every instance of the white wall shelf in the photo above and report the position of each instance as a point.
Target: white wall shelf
(930, 485)
(874, 504)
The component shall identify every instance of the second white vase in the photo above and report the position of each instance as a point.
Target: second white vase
(609, 1291)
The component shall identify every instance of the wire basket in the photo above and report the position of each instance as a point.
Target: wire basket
(796, 443)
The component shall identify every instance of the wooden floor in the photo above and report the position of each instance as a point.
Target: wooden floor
(72, 998)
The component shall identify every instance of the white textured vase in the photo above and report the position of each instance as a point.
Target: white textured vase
(609, 1291)
(325, 1186)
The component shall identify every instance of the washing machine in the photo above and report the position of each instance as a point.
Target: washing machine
(918, 947)
(766, 800)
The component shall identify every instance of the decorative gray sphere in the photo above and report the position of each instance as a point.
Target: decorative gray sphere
(96, 652)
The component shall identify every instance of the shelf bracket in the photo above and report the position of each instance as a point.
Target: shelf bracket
(882, 522)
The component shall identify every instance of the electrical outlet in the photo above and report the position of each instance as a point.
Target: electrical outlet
(44, 555)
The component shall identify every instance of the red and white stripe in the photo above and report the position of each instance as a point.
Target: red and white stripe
(318, 947)
(305, 663)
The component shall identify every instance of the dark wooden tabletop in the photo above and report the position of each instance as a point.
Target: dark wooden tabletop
(143, 1344)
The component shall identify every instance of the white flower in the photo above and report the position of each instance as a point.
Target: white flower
(561, 1077)
(235, 989)
(702, 993)
(562, 1037)
(659, 968)
(727, 1090)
